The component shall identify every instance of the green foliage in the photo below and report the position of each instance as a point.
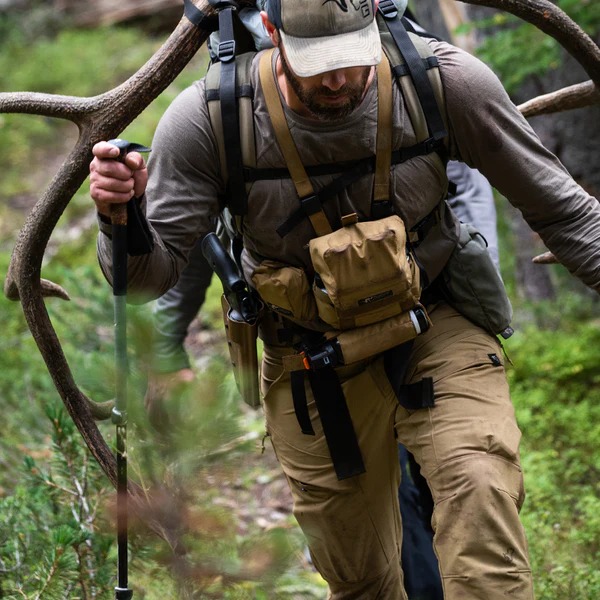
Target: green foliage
(555, 387)
(75, 63)
(518, 50)
(50, 527)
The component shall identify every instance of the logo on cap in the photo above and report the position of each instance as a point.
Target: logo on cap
(363, 6)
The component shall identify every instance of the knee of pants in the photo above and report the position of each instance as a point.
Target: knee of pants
(349, 544)
(477, 477)
(476, 517)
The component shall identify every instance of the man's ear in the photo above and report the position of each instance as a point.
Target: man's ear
(271, 30)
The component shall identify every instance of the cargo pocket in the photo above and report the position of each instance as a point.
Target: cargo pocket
(285, 290)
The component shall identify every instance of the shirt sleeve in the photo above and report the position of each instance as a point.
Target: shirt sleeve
(488, 132)
(181, 198)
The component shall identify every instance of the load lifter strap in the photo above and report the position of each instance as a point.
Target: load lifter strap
(292, 159)
(198, 18)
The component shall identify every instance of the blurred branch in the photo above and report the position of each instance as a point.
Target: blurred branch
(569, 98)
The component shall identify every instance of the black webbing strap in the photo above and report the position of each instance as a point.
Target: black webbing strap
(198, 18)
(354, 174)
(414, 396)
(236, 185)
(428, 63)
(395, 362)
(418, 73)
(241, 91)
(421, 230)
(408, 25)
(417, 395)
(300, 403)
(337, 423)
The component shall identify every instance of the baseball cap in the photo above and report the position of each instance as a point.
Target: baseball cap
(324, 35)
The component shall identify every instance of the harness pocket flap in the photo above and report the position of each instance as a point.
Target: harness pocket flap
(286, 290)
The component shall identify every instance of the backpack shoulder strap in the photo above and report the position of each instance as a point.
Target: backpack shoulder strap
(221, 121)
(426, 107)
(416, 69)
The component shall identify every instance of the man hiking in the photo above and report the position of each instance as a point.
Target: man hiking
(335, 411)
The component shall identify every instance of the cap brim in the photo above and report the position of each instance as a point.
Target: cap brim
(312, 56)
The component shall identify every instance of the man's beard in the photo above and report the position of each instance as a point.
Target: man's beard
(321, 109)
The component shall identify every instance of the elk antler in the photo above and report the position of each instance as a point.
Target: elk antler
(100, 118)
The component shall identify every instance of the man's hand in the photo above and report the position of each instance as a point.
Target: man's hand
(114, 182)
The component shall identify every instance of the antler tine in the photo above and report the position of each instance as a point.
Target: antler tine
(101, 117)
(568, 98)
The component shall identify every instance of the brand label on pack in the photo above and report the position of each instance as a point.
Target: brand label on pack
(375, 298)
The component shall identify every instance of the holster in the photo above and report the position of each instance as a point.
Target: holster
(241, 339)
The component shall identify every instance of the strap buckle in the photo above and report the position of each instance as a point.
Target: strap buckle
(431, 145)
(226, 51)
(388, 9)
(311, 204)
(325, 356)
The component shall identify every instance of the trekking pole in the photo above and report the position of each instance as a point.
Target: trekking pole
(119, 412)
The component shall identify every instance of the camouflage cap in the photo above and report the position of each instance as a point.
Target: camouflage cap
(324, 35)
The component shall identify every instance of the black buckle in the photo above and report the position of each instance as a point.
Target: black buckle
(388, 9)
(226, 51)
(431, 145)
(326, 356)
(311, 204)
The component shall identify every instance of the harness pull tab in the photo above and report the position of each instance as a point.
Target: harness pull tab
(506, 355)
(350, 219)
(267, 434)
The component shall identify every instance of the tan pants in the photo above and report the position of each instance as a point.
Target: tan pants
(467, 446)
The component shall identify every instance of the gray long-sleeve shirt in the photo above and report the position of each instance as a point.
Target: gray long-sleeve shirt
(486, 132)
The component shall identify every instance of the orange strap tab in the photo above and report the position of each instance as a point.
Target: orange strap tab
(286, 143)
(383, 160)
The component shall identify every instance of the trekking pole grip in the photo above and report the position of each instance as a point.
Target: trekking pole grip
(118, 212)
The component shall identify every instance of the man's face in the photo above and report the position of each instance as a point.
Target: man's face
(329, 96)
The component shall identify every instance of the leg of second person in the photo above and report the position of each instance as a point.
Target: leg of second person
(176, 309)
(352, 526)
